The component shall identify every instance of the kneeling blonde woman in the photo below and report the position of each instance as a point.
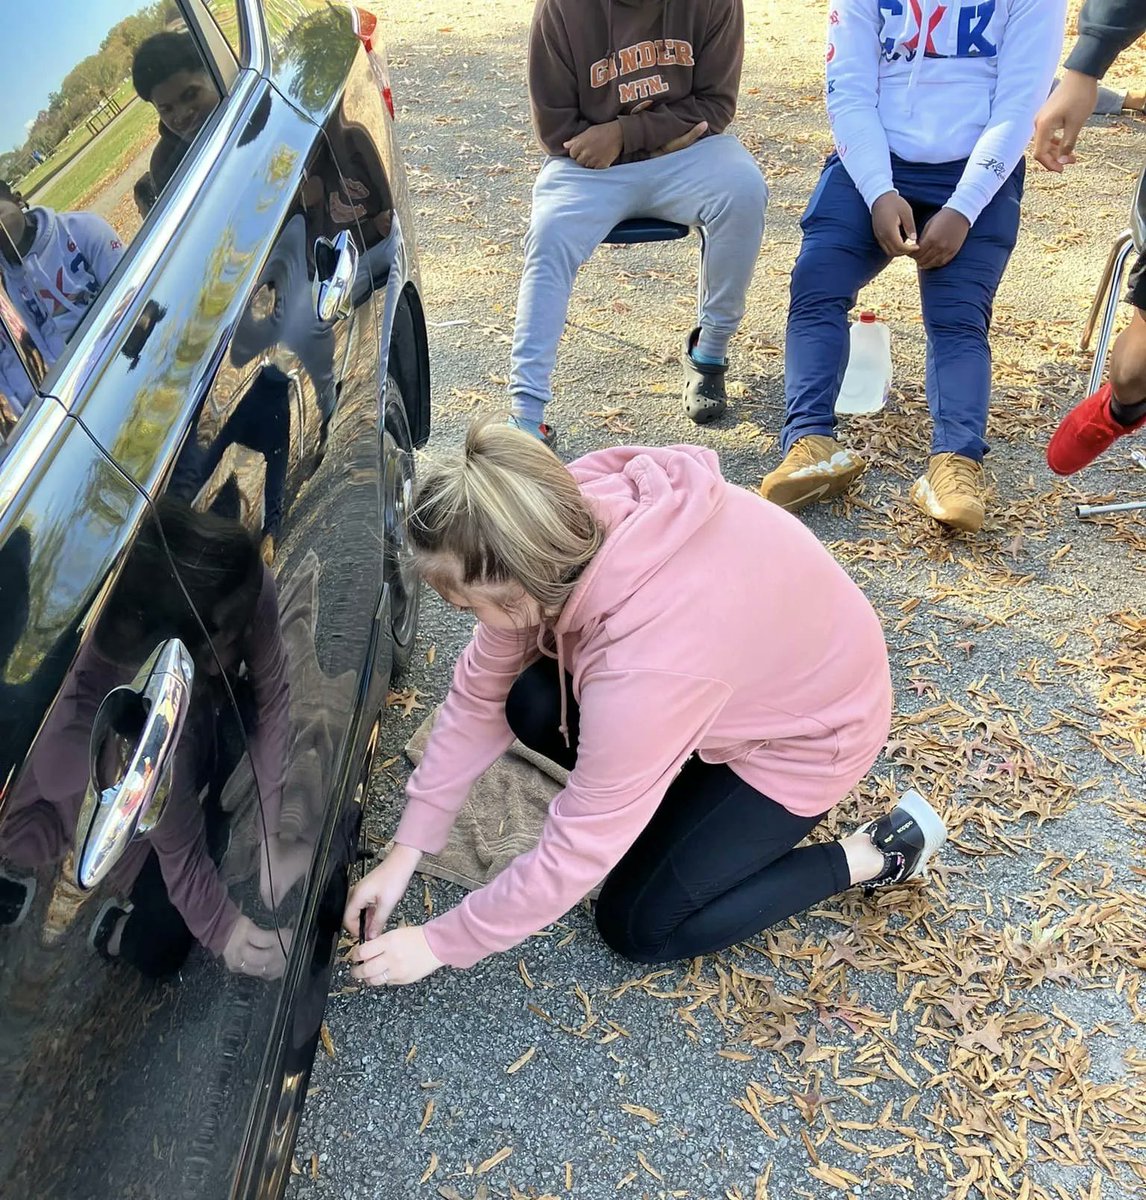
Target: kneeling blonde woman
(709, 674)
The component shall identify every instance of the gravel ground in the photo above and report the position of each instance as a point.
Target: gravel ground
(978, 1036)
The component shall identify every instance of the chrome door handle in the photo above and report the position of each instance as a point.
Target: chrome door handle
(336, 266)
(133, 745)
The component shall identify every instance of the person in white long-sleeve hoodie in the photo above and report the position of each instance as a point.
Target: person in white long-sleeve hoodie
(931, 106)
(52, 266)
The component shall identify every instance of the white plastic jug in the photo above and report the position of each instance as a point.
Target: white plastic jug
(868, 377)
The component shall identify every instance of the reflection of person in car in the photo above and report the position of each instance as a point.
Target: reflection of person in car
(169, 73)
(282, 311)
(356, 190)
(144, 194)
(172, 893)
(261, 422)
(52, 266)
(235, 596)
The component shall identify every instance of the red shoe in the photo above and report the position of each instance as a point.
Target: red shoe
(1087, 431)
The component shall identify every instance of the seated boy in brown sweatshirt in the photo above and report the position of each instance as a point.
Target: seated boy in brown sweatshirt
(631, 100)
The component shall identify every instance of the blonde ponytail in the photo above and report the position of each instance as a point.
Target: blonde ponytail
(505, 510)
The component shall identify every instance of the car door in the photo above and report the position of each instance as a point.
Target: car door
(209, 599)
(106, 729)
(329, 62)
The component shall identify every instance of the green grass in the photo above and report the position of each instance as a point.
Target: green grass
(71, 145)
(112, 153)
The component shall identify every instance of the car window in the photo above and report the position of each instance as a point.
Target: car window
(99, 106)
(226, 16)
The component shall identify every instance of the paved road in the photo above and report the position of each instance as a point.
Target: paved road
(820, 1061)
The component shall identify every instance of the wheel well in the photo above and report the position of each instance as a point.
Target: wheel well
(410, 362)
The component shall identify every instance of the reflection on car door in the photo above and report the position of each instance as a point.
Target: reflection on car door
(261, 355)
(116, 744)
(231, 621)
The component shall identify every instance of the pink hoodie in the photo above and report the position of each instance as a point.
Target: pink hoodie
(710, 621)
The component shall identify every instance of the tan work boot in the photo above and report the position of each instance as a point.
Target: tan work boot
(952, 492)
(816, 468)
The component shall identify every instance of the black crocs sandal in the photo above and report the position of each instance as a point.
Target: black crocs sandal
(705, 399)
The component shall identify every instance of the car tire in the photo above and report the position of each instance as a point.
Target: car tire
(397, 496)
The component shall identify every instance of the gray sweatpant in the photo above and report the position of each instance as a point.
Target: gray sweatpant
(715, 183)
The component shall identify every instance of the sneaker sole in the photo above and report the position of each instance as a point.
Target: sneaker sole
(963, 523)
(93, 931)
(794, 494)
(930, 822)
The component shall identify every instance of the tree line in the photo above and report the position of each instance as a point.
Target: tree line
(85, 85)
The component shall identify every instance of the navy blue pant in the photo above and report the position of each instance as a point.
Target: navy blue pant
(840, 254)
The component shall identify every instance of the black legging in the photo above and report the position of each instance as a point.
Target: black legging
(715, 863)
(155, 938)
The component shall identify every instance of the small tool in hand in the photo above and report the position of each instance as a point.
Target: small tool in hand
(361, 926)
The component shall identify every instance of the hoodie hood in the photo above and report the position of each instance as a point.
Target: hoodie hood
(53, 279)
(45, 221)
(44, 229)
(650, 501)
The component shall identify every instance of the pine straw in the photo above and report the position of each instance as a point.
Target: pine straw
(1000, 1094)
(998, 1091)
(999, 1078)
(941, 1039)
(975, 1076)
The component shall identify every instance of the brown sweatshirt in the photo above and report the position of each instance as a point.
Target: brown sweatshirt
(595, 61)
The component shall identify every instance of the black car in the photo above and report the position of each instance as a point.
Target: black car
(213, 375)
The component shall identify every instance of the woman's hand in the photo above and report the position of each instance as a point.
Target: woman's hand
(252, 950)
(399, 957)
(379, 892)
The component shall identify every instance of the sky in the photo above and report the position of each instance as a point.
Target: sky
(37, 50)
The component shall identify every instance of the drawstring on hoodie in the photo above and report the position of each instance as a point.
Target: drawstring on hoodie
(564, 726)
(36, 290)
(559, 645)
(920, 53)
